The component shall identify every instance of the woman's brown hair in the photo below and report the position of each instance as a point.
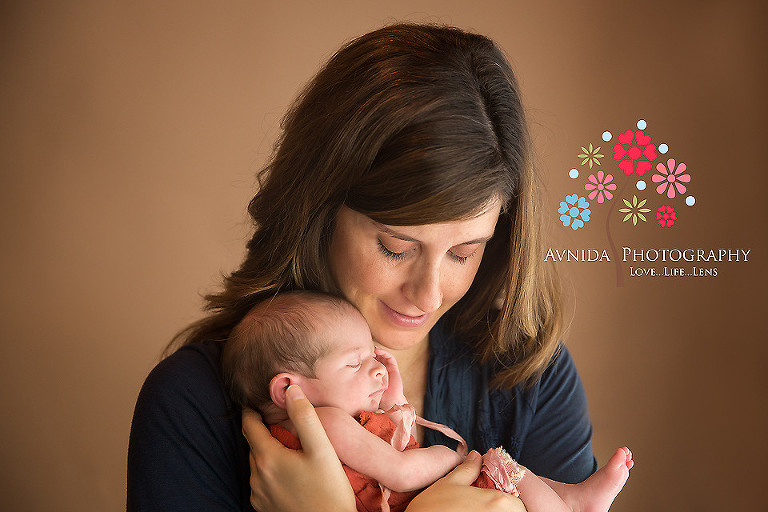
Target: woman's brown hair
(410, 124)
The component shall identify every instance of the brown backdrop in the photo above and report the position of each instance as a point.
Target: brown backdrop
(131, 132)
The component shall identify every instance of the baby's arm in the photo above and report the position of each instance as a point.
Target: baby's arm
(370, 455)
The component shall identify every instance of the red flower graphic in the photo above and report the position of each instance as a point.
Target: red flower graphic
(637, 144)
(666, 216)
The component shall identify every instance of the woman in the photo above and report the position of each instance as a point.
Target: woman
(401, 181)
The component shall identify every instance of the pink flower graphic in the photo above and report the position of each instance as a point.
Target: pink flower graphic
(600, 188)
(637, 144)
(670, 178)
(666, 216)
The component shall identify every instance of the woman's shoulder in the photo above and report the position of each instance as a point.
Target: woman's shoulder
(192, 368)
(560, 376)
(188, 382)
(202, 356)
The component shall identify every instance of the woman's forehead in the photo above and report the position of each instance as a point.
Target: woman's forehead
(476, 229)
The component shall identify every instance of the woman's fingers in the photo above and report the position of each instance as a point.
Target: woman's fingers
(314, 440)
(255, 432)
(466, 472)
(453, 493)
(277, 472)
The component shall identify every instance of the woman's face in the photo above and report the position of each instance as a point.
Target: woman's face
(404, 278)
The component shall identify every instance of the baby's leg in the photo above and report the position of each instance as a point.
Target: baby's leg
(596, 493)
(538, 496)
(501, 472)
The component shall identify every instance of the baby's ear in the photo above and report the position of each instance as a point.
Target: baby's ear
(278, 385)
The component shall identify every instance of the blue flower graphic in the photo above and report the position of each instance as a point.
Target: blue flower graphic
(574, 211)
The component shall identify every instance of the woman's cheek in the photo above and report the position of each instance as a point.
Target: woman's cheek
(464, 282)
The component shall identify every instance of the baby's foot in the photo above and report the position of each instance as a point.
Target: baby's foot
(596, 493)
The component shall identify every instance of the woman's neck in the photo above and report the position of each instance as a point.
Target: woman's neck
(413, 363)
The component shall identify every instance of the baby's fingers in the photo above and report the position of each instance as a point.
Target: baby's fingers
(385, 357)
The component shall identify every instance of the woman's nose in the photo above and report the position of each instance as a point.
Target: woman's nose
(423, 289)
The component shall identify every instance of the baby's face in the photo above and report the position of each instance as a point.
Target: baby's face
(349, 377)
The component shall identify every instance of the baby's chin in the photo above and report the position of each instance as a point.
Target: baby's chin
(372, 407)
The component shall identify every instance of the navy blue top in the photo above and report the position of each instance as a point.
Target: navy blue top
(545, 427)
(187, 451)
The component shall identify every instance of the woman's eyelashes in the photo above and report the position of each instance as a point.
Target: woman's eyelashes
(458, 259)
(401, 255)
(397, 256)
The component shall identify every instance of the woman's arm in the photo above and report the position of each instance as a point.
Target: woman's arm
(370, 455)
(323, 483)
(186, 451)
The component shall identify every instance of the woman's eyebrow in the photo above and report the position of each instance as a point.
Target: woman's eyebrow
(481, 240)
(395, 234)
(407, 238)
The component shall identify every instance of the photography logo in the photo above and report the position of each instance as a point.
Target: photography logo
(635, 180)
(630, 176)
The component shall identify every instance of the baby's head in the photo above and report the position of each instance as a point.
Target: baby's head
(320, 342)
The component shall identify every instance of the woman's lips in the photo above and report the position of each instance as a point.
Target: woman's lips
(402, 320)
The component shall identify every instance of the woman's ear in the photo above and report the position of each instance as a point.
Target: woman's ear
(279, 384)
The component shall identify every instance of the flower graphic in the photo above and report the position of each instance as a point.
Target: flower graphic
(601, 187)
(591, 155)
(666, 216)
(671, 178)
(633, 145)
(636, 166)
(574, 211)
(634, 210)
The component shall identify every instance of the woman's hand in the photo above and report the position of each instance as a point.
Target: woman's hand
(454, 493)
(286, 480)
(394, 393)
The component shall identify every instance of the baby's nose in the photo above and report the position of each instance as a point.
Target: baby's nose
(378, 369)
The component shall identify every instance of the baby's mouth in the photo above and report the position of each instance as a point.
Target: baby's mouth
(379, 391)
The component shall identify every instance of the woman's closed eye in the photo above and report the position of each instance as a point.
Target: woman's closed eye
(460, 254)
(458, 259)
(393, 255)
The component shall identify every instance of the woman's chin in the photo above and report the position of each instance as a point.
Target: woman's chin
(398, 339)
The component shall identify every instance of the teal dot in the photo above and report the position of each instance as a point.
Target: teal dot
(640, 185)
(663, 148)
(642, 125)
(607, 136)
(574, 212)
(690, 200)
(573, 173)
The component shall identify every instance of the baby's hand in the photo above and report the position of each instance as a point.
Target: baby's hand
(394, 393)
